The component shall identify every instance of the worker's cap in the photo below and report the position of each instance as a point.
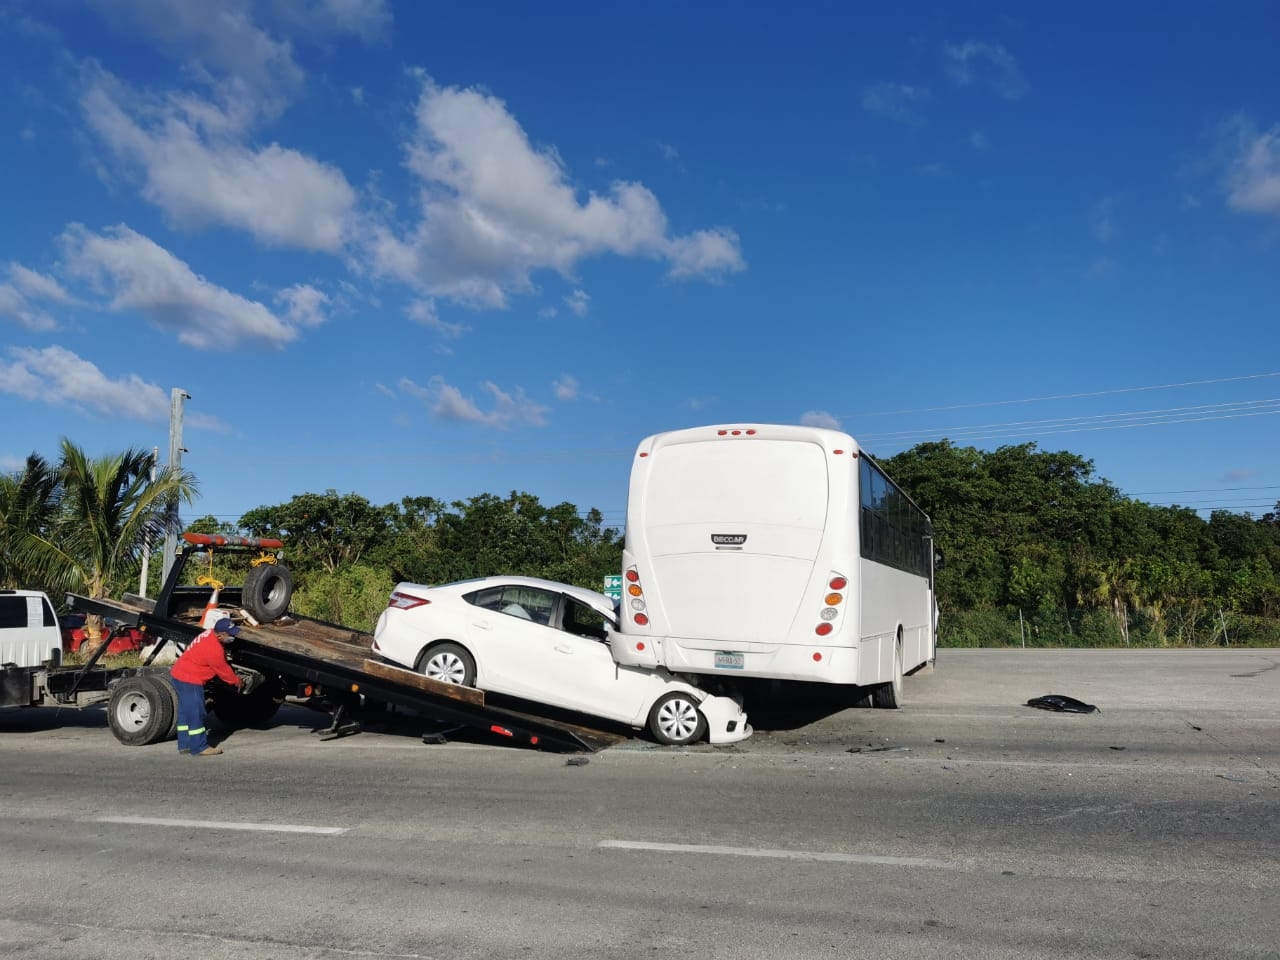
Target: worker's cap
(226, 626)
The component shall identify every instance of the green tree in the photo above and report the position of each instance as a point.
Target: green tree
(323, 530)
(108, 510)
(29, 503)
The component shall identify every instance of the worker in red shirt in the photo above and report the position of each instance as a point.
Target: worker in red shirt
(203, 660)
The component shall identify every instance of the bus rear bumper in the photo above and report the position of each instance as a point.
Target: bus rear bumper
(809, 662)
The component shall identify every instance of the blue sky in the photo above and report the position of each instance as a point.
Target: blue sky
(405, 249)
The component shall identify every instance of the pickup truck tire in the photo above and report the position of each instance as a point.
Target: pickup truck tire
(268, 588)
(253, 709)
(676, 721)
(141, 711)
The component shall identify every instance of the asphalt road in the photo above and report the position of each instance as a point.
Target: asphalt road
(966, 825)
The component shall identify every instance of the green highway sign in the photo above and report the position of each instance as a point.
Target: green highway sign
(613, 586)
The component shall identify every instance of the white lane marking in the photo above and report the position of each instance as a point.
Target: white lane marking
(222, 825)
(775, 854)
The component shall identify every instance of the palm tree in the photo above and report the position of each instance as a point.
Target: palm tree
(28, 505)
(109, 511)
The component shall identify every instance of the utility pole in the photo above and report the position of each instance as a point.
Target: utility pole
(146, 543)
(177, 399)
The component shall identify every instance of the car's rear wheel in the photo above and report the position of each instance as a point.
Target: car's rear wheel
(449, 663)
(675, 720)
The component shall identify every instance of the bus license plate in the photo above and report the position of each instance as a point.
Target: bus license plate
(729, 661)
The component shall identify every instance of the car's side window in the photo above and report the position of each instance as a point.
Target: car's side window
(523, 603)
(583, 620)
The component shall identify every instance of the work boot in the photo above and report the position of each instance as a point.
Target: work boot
(209, 752)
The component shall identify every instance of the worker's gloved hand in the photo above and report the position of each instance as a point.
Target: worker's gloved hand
(250, 682)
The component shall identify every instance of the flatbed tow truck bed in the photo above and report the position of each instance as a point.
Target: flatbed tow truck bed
(321, 665)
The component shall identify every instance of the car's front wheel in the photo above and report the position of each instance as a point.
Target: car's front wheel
(449, 663)
(675, 720)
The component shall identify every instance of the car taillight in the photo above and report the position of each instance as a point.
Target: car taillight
(636, 593)
(406, 601)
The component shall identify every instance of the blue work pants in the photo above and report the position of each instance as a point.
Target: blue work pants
(192, 735)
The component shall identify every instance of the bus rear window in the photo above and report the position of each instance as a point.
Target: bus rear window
(780, 482)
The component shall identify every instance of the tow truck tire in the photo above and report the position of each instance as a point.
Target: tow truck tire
(676, 721)
(253, 709)
(449, 663)
(165, 682)
(268, 588)
(140, 711)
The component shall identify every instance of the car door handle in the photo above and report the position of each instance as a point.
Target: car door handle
(563, 648)
(481, 624)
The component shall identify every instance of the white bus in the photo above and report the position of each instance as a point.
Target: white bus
(764, 550)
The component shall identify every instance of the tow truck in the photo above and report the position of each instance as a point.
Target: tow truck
(280, 657)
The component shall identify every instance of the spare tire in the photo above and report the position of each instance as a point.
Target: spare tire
(267, 591)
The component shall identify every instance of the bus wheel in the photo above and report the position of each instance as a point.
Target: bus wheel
(888, 696)
(675, 720)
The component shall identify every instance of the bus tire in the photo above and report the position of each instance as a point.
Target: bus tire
(888, 696)
(140, 711)
(676, 721)
(267, 591)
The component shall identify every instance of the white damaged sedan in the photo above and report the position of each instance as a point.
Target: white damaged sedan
(549, 643)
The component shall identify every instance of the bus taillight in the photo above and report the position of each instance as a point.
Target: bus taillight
(838, 583)
(823, 629)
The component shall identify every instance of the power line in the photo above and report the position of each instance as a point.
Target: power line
(1166, 493)
(1035, 428)
(1062, 396)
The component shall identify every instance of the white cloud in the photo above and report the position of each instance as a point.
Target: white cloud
(897, 101)
(24, 287)
(15, 306)
(978, 140)
(424, 312)
(977, 61)
(38, 285)
(58, 377)
(493, 209)
(138, 274)
(448, 404)
(820, 418)
(242, 42)
(1102, 219)
(370, 20)
(214, 38)
(579, 302)
(305, 306)
(1253, 167)
(194, 166)
(565, 388)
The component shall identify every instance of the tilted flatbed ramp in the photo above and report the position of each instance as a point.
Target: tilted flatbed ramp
(333, 663)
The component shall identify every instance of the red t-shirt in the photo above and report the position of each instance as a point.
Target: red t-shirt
(204, 660)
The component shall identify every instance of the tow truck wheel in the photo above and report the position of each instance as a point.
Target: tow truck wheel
(253, 709)
(267, 590)
(140, 711)
(675, 720)
(165, 682)
(449, 663)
